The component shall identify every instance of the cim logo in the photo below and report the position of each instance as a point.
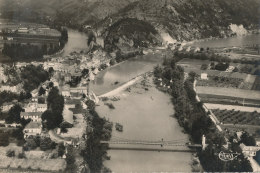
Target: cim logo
(227, 156)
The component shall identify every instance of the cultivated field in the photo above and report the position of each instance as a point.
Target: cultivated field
(232, 107)
(237, 117)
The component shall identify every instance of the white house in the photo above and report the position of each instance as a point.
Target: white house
(34, 93)
(23, 30)
(81, 90)
(65, 91)
(41, 107)
(204, 76)
(34, 116)
(32, 129)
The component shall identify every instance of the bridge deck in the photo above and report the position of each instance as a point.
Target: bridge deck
(151, 146)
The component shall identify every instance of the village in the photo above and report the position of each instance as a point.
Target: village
(71, 76)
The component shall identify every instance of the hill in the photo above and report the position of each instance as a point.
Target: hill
(192, 19)
(181, 19)
(68, 12)
(130, 32)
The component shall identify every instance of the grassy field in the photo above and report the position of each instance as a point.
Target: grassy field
(229, 92)
(237, 117)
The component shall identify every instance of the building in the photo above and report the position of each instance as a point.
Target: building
(6, 106)
(23, 30)
(249, 151)
(204, 76)
(32, 129)
(67, 77)
(34, 93)
(34, 116)
(41, 107)
(65, 91)
(13, 89)
(81, 90)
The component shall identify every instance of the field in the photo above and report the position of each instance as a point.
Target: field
(224, 82)
(237, 117)
(232, 107)
(218, 99)
(242, 69)
(229, 92)
(256, 85)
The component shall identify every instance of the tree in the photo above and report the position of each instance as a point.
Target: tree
(70, 159)
(91, 104)
(47, 144)
(53, 116)
(41, 91)
(85, 72)
(14, 114)
(112, 62)
(10, 153)
(204, 67)
(51, 71)
(247, 139)
(61, 149)
(4, 139)
(49, 120)
(30, 144)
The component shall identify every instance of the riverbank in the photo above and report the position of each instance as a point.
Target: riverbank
(122, 87)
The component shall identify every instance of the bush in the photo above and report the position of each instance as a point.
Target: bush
(10, 153)
(110, 105)
(112, 62)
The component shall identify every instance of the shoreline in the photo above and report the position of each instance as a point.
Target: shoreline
(122, 87)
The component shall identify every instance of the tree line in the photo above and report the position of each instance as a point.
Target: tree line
(193, 118)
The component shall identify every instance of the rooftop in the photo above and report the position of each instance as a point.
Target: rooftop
(31, 114)
(33, 125)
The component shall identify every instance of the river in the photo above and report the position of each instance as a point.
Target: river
(145, 115)
(77, 41)
(237, 41)
(123, 72)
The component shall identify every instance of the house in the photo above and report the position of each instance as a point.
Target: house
(6, 106)
(249, 151)
(32, 129)
(13, 89)
(23, 30)
(41, 107)
(65, 91)
(70, 103)
(68, 115)
(230, 68)
(31, 107)
(34, 116)
(81, 90)
(204, 76)
(34, 93)
(67, 77)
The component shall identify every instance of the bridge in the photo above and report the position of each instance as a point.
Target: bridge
(145, 145)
